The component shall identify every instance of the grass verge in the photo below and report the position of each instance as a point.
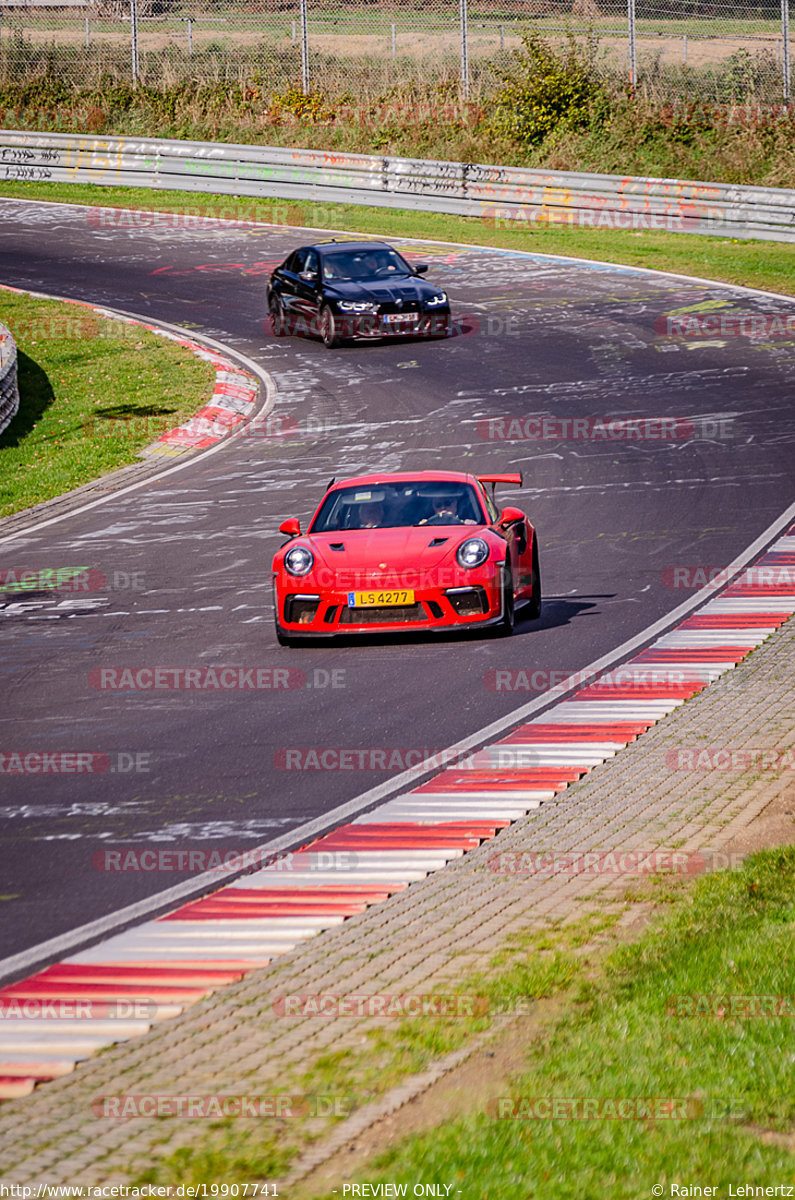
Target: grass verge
(93, 392)
(629, 1033)
(539, 964)
(766, 265)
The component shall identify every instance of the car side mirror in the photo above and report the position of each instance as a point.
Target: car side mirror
(509, 516)
(308, 276)
(421, 269)
(291, 527)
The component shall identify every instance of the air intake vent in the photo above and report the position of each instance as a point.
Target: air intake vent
(336, 545)
(438, 542)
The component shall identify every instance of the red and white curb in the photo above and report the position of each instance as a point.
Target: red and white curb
(233, 401)
(121, 987)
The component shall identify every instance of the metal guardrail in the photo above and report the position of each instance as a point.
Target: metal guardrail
(9, 387)
(511, 196)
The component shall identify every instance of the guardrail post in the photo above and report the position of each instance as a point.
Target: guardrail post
(134, 40)
(785, 56)
(633, 64)
(304, 50)
(464, 51)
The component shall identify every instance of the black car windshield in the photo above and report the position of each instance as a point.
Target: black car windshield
(377, 263)
(398, 505)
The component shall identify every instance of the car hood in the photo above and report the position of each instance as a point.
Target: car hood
(404, 290)
(384, 550)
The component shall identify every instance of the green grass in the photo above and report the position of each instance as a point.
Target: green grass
(93, 392)
(732, 934)
(766, 265)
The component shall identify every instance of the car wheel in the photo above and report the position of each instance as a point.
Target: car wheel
(504, 628)
(534, 607)
(328, 328)
(278, 319)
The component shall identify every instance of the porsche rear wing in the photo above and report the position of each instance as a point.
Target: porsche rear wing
(517, 479)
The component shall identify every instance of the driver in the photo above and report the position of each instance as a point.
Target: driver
(445, 510)
(371, 516)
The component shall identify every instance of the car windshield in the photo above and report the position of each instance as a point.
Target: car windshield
(377, 263)
(398, 506)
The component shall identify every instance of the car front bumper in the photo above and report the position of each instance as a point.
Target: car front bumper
(302, 612)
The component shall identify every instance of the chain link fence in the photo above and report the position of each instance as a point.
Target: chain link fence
(671, 50)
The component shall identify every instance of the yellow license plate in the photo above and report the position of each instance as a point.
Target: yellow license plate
(379, 599)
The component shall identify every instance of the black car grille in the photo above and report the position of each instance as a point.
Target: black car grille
(410, 307)
(394, 615)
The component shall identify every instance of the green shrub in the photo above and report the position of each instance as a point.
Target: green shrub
(548, 92)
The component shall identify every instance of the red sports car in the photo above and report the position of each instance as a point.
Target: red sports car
(413, 551)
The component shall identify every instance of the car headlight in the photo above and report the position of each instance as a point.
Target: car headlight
(299, 560)
(357, 306)
(473, 552)
(435, 301)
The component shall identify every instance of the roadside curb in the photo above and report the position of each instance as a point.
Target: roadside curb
(239, 395)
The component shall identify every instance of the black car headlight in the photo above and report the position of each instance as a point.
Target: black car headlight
(299, 560)
(473, 552)
(357, 306)
(436, 300)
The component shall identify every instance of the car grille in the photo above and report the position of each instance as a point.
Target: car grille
(409, 308)
(394, 615)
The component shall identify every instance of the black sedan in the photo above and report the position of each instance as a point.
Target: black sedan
(339, 290)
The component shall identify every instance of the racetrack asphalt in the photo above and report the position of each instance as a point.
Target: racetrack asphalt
(190, 553)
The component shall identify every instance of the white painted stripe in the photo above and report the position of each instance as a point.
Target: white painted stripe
(600, 747)
(386, 876)
(130, 955)
(598, 711)
(363, 861)
(107, 1031)
(434, 812)
(747, 605)
(251, 926)
(40, 1046)
(704, 638)
(211, 947)
(693, 668)
(528, 755)
(785, 544)
(531, 798)
(21, 1059)
(252, 931)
